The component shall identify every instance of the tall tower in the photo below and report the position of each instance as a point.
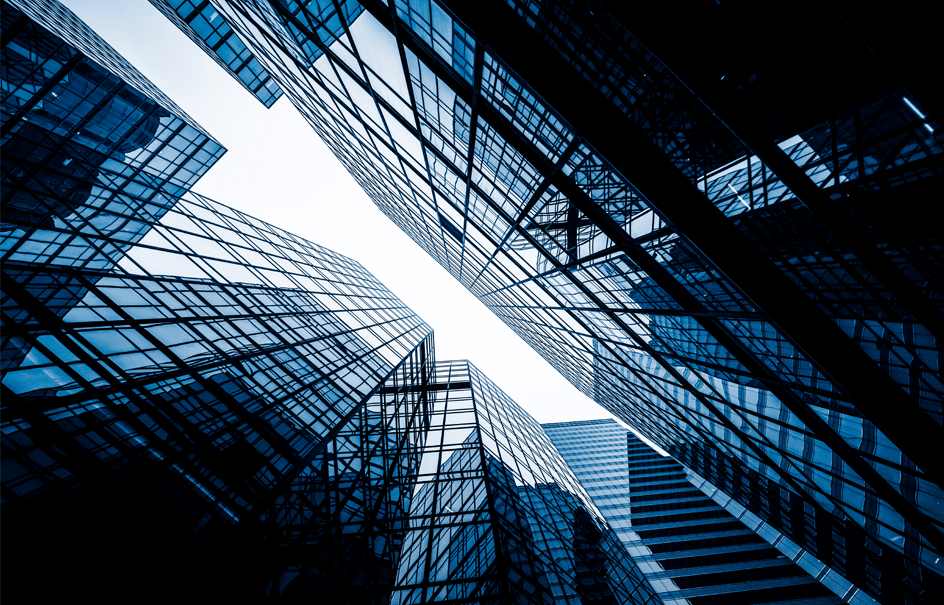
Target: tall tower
(691, 549)
(498, 517)
(743, 271)
(194, 402)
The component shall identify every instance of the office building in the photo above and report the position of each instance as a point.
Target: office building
(229, 430)
(194, 402)
(203, 25)
(691, 549)
(498, 517)
(197, 403)
(741, 270)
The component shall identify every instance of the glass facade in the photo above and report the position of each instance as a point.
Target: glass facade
(691, 549)
(194, 401)
(261, 424)
(93, 153)
(497, 517)
(745, 275)
(202, 24)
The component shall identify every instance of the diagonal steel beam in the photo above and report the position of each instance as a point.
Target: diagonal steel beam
(673, 196)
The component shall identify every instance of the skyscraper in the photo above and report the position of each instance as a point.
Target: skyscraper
(742, 272)
(92, 151)
(202, 24)
(197, 404)
(194, 401)
(498, 517)
(691, 549)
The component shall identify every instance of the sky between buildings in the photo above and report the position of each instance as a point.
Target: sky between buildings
(278, 170)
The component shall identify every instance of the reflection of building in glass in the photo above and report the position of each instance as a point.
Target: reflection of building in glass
(691, 549)
(683, 231)
(497, 516)
(93, 153)
(249, 411)
(194, 402)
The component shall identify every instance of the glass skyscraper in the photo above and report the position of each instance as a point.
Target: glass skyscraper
(194, 402)
(199, 405)
(745, 273)
(691, 549)
(498, 517)
(203, 25)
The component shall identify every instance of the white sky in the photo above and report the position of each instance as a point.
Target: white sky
(278, 170)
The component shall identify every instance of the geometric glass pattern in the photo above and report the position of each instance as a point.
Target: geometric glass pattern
(194, 401)
(497, 517)
(744, 274)
(200, 22)
(691, 549)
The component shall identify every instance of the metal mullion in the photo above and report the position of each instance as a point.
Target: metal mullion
(327, 378)
(379, 101)
(391, 22)
(742, 354)
(305, 460)
(473, 132)
(11, 32)
(73, 340)
(697, 223)
(499, 563)
(589, 294)
(129, 388)
(180, 165)
(334, 62)
(196, 11)
(38, 417)
(535, 197)
(73, 455)
(724, 421)
(640, 311)
(40, 94)
(839, 261)
(175, 373)
(878, 264)
(136, 171)
(29, 334)
(412, 422)
(31, 167)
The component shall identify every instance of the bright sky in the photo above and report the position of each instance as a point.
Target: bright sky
(278, 170)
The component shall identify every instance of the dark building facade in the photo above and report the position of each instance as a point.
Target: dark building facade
(194, 402)
(498, 517)
(744, 272)
(691, 549)
(199, 405)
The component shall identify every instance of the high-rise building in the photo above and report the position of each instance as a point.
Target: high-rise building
(93, 153)
(197, 403)
(203, 25)
(743, 270)
(498, 517)
(691, 549)
(194, 402)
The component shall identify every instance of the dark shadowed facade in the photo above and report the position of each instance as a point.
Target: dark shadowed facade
(498, 517)
(743, 270)
(194, 401)
(691, 549)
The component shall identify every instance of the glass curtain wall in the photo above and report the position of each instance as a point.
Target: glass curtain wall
(692, 550)
(194, 401)
(497, 516)
(699, 287)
